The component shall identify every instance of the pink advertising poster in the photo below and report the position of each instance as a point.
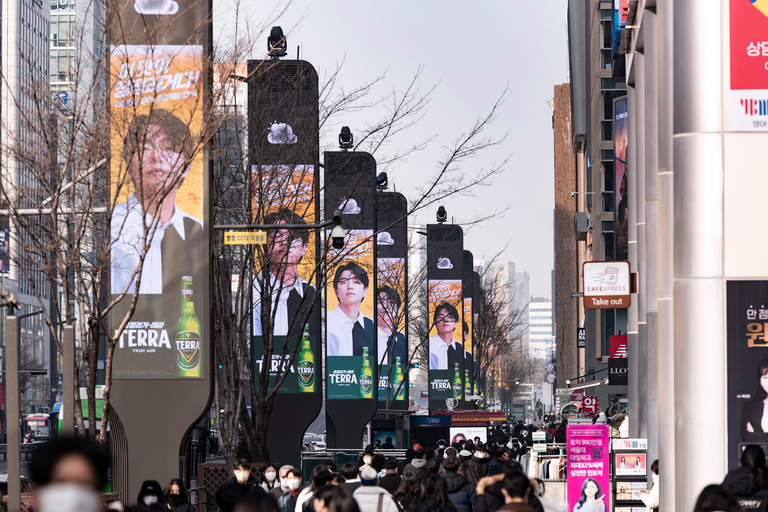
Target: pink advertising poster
(588, 468)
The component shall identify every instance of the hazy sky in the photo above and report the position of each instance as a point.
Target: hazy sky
(471, 52)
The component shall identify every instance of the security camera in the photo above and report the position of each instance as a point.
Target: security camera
(337, 237)
(573, 194)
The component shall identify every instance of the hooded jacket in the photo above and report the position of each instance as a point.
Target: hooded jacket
(367, 498)
(747, 492)
(460, 492)
(482, 464)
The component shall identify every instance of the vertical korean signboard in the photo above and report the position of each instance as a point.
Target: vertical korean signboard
(589, 471)
(160, 226)
(747, 356)
(621, 180)
(351, 338)
(283, 146)
(392, 299)
(749, 65)
(445, 252)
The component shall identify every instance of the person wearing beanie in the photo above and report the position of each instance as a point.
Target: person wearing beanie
(151, 494)
(370, 497)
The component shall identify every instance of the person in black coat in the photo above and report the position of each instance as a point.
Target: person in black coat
(482, 459)
(748, 482)
(500, 456)
(176, 497)
(460, 491)
(391, 481)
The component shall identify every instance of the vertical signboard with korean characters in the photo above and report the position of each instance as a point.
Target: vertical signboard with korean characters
(392, 299)
(589, 468)
(749, 65)
(351, 338)
(445, 253)
(747, 356)
(283, 153)
(160, 225)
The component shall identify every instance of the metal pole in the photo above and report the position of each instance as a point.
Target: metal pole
(68, 384)
(12, 412)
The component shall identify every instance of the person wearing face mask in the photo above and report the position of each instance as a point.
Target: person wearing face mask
(287, 501)
(278, 490)
(243, 474)
(481, 459)
(270, 478)
(151, 495)
(176, 497)
(68, 473)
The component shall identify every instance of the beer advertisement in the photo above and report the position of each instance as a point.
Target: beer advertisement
(747, 357)
(392, 299)
(158, 216)
(445, 246)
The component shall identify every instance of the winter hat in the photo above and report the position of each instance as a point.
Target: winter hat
(369, 476)
(150, 487)
(465, 453)
(417, 447)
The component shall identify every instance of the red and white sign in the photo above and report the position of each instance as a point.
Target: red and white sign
(749, 65)
(618, 346)
(590, 404)
(577, 396)
(606, 284)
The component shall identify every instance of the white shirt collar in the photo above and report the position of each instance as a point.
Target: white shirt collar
(177, 220)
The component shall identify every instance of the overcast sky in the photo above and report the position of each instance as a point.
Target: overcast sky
(471, 51)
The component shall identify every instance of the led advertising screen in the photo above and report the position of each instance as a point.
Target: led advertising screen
(620, 195)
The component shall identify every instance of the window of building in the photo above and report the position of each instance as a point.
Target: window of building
(613, 84)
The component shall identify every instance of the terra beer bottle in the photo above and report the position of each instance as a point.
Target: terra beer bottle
(188, 354)
(456, 382)
(397, 385)
(306, 364)
(366, 376)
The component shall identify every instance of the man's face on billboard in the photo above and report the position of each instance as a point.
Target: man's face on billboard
(446, 323)
(284, 249)
(386, 310)
(350, 291)
(156, 168)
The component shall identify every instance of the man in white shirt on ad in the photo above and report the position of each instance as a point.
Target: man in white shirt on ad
(443, 349)
(349, 331)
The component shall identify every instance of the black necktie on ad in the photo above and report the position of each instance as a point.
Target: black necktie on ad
(358, 339)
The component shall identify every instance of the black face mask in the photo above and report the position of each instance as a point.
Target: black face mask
(175, 499)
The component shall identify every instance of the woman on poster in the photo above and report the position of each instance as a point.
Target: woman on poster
(754, 413)
(591, 499)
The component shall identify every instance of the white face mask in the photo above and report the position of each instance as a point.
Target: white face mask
(293, 484)
(367, 460)
(284, 483)
(150, 500)
(68, 498)
(270, 475)
(242, 476)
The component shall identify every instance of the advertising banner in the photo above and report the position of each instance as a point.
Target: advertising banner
(283, 152)
(606, 284)
(581, 337)
(749, 62)
(156, 102)
(589, 470)
(392, 299)
(459, 434)
(467, 334)
(445, 246)
(747, 356)
(620, 193)
(351, 337)
(630, 464)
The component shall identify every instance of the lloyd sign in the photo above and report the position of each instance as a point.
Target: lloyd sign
(606, 284)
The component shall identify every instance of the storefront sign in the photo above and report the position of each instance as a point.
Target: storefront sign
(606, 284)
(588, 468)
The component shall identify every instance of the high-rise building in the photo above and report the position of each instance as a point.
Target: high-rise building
(541, 330)
(521, 299)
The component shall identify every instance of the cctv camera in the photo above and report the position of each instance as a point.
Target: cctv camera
(337, 237)
(573, 194)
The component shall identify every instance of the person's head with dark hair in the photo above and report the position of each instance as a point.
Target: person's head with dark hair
(409, 453)
(387, 308)
(320, 477)
(341, 501)
(436, 494)
(256, 500)
(419, 454)
(445, 319)
(378, 462)
(349, 471)
(391, 464)
(242, 471)
(716, 498)
(511, 466)
(451, 464)
(433, 466)
(655, 466)
(753, 457)
(516, 487)
(294, 480)
(351, 286)
(377, 444)
(409, 491)
(499, 452)
(285, 248)
(323, 496)
(331, 465)
(157, 150)
(176, 492)
(228, 495)
(471, 472)
(451, 452)
(464, 331)
(71, 468)
(429, 453)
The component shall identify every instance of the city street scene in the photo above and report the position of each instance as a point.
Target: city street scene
(313, 256)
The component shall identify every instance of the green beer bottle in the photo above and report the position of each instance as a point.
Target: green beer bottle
(188, 354)
(456, 382)
(397, 385)
(467, 385)
(306, 364)
(475, 389)
(366, 376)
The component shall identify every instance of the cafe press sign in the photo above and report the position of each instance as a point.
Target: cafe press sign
(606, 284)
